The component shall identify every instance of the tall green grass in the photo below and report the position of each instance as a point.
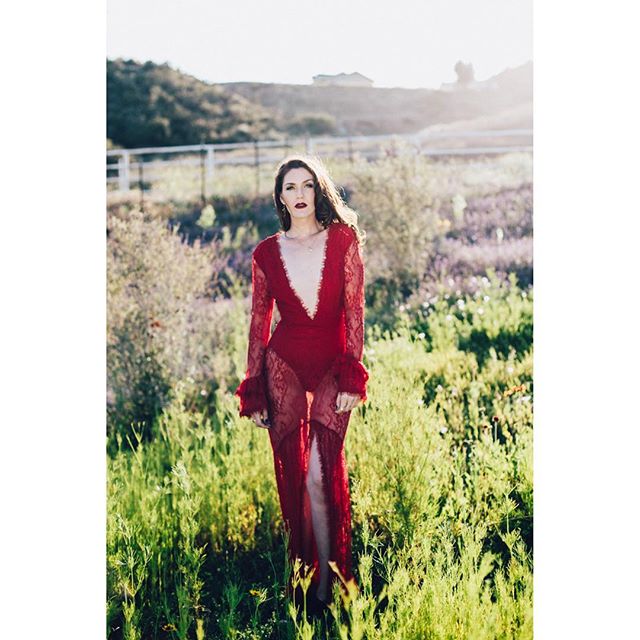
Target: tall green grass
(440, 470)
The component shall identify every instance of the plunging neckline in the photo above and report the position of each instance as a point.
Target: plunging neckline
(320, 281)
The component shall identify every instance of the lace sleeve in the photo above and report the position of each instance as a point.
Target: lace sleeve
(252, 390)
(351, 372)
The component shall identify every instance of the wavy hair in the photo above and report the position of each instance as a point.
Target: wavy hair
(329, 204)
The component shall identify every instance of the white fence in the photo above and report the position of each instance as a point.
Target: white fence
(141, 165)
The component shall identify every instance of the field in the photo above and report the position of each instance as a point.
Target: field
(440, 458)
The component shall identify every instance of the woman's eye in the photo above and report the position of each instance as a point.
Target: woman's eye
(309, 185)
(289, 188)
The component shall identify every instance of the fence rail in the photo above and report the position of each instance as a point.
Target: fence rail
(127, 166)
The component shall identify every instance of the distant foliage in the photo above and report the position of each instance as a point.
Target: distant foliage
(312, 124)
(464, 72)
(155, 105)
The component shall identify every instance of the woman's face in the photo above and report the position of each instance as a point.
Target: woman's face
(298, 192)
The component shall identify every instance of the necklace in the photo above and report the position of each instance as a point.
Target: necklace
(299, 241)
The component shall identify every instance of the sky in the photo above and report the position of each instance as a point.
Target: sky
(400, 43)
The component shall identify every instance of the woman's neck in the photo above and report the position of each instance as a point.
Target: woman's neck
(304, 228)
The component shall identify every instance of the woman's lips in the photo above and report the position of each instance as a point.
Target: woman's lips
(301, 205)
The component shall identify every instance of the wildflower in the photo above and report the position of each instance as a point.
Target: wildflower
(480, 311)
(486, 298)
(443, 430)
(449, 318)
(513, 390)
(420, 401)
(439, 387)
(509, 369)
(454, 391)
(495, 419)
(421, 336)
(203, 392)
(460, 304)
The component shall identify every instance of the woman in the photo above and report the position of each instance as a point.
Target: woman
(303, 381)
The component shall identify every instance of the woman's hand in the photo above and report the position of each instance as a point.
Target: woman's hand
(261, 418)
(346, 401)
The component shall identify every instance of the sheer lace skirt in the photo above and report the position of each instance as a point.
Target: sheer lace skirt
(298, 417)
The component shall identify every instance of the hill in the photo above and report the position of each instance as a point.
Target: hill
(150, 104)
(155, 105)
(518, 117)
(372, 110)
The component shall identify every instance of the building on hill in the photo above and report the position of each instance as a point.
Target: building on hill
(342, 80)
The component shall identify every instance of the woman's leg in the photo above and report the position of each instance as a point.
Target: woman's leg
(289, 439)
(320, 518)
(327, 483)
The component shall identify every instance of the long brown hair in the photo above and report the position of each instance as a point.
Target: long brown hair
(328, 203)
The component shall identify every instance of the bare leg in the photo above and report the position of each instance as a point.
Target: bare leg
(319, 517)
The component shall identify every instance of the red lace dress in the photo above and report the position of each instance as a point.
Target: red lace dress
(296, 374)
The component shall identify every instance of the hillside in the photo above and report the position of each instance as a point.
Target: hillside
(154, 105)
(518, 117)
(149, 104)
(371, 110)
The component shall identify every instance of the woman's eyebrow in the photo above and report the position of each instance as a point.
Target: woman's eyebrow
(307, 180)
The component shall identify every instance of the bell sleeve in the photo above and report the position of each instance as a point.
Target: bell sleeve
(252, 390)
(351, 373)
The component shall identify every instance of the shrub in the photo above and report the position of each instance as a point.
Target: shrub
(163, 323)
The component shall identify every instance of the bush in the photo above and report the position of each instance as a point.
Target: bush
(394, 198)
(164, 323)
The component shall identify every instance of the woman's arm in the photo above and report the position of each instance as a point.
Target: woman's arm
(351, 373)
(252, 390)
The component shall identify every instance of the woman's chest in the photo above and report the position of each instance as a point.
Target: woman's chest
(306, 282)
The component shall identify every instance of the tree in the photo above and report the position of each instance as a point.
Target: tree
(464, 72)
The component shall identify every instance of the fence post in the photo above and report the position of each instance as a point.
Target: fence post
(203, 196)
(210, 161)
(123, 171)
(256, 155)
(141, 183)
(350, 146)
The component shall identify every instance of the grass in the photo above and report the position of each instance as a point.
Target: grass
(455, 175)
(441, 477)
